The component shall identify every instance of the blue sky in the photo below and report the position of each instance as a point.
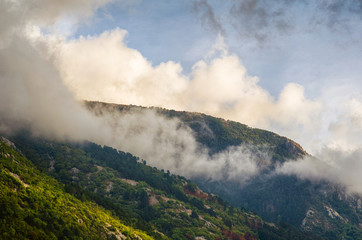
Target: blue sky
(160, 30)
(320, 46)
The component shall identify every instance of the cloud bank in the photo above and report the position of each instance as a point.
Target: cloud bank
(340, 159)
(334, 165)
(169, 144)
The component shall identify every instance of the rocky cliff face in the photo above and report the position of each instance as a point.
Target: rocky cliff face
(294, 148)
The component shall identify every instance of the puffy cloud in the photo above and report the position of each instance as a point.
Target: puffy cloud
(103, 68)
(222, 87)
(346, 130)
(32, 93)
(15, 15)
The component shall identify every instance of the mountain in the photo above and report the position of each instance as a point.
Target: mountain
(316, 206)
(83, 189)
(36, 206)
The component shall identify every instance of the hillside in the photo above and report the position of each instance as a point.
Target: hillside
(216, 133)
(36, 206)
(165, 206)
(318, 206)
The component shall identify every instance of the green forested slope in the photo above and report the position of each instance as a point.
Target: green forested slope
(35, 206)
(161, 204)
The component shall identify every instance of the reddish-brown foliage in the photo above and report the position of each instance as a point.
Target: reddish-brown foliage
(197, 193)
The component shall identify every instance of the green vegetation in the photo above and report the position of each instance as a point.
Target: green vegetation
(164, 206)
(35, 206)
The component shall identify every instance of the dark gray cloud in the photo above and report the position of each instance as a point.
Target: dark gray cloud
(259, 19)
(337, 14)
(262, 19)
(206, 13)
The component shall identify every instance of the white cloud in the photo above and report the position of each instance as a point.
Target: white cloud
(169, 144)
(346, 130)
(103, 68)
(334, 165)
(340, 160)
(32, 93)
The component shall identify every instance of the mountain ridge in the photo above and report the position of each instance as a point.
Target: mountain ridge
(275, 197)
(230, 127)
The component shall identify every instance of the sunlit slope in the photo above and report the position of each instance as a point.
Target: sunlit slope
(36, 206)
